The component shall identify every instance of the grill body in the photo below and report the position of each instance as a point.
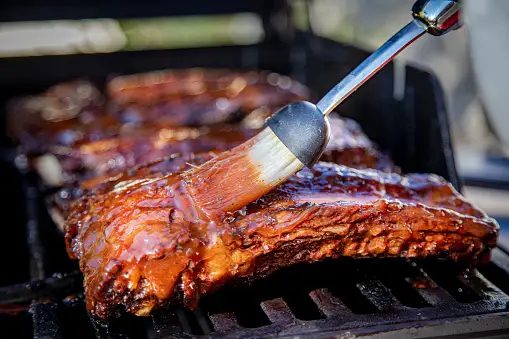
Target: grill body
(40, 289)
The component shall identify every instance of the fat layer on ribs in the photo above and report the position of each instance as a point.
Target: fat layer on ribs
(141, 242)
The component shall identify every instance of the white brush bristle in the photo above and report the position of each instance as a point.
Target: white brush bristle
(275, 161)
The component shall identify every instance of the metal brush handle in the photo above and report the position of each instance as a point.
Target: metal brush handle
(436, 17)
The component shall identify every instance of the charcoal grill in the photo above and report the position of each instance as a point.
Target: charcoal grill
(41, 290)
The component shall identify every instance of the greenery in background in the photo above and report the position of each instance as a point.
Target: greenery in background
(160, 33)
(299, 14)
(189, 31)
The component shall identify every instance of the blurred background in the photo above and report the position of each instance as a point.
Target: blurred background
(468, 62)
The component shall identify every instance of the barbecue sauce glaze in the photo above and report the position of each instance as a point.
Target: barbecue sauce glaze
(144, 242)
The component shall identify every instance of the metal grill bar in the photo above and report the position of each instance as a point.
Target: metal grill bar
(501, 259)
(44, 314)
(25, 292)
(328, 304)
(201, 319)
(165, 324)
(32, 228)
(478, 283)
(184, 321)
(379, 295)
(277, 311)
(432, 293)
(45, 320)
(224, 322)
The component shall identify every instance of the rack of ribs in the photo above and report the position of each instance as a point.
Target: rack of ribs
(75, 112)
(109, 156)
(196, 97)
(141, 242)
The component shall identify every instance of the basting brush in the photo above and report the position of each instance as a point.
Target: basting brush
(297, 134)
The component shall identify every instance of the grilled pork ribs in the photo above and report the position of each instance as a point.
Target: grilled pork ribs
(142, 243)
(76, 112)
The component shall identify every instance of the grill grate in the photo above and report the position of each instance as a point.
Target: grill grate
(334, 315)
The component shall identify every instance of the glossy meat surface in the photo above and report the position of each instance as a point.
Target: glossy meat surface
(110, 156)
(142, 243)
(75, 112)
(202, 97)
(63, 115)
(59, 204)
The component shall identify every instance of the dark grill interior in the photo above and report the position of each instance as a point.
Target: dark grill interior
(41, 290)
